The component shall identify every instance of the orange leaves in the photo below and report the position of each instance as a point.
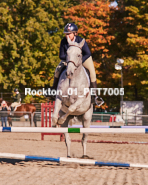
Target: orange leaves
(93, 22)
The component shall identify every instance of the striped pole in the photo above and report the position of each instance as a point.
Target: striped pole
(69, 160)
(73, 130)
(106, 126)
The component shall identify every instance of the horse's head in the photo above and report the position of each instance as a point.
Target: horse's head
(74, 56)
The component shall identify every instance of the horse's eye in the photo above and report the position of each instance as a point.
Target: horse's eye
(79, 55)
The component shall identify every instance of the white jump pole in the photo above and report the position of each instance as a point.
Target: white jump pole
(73, 130)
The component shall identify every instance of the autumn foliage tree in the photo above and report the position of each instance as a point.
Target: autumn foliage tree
(31, 31)
(93, 22)
(131, 43)
(116, 32)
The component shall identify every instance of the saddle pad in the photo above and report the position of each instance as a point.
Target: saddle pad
(87, 76)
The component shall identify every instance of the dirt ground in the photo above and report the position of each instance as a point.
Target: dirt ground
(13, 172)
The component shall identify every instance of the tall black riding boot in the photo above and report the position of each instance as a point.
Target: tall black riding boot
(55, 83)
(12, 111)
(95, 99)
(54, 87)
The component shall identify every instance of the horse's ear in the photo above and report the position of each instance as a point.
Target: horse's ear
(81, 44)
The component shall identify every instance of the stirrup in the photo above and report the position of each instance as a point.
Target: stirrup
(99, 103)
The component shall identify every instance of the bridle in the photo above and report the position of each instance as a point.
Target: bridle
(72, 61)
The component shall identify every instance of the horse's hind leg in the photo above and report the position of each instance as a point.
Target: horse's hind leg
(67, 137)
(10, 122)
(34, 120)
(30, 119)
(86, 120)
(58, 105)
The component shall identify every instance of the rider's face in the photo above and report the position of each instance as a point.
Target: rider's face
(70, 35)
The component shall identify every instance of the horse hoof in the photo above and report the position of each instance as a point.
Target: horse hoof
(54, 120)
(86, 157)
(61, 121)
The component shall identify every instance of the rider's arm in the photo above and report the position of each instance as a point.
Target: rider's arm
(85, 52)
(15, 98)
(19, 97)
(63, 52)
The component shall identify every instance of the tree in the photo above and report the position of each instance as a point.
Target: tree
(30, 34)
(93, 20)
(116, 32)
(131, 44)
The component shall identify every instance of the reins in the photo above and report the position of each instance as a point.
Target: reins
(72, 61)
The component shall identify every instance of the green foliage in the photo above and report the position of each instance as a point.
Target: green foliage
(132, 45)
(34, 99)
(31, 31)
(30, 34)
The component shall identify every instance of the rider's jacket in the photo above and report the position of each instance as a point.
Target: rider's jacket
(64, 46)
(17, 98)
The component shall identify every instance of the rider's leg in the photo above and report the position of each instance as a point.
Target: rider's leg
(55, 83)
(13, 105)
(57, 73)
(88, 64)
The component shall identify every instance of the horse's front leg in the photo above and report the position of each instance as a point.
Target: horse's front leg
(68, 143)
(72, 108)
(63, 118)
(58, 105)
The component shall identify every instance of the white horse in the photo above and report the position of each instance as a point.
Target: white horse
(75, 100)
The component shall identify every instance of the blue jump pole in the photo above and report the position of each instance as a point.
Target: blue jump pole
(69, 160)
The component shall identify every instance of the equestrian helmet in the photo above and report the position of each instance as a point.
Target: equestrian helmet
(15, 90)
(70, 28)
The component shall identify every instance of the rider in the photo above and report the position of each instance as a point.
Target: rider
(17, 99)
(70, 31)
